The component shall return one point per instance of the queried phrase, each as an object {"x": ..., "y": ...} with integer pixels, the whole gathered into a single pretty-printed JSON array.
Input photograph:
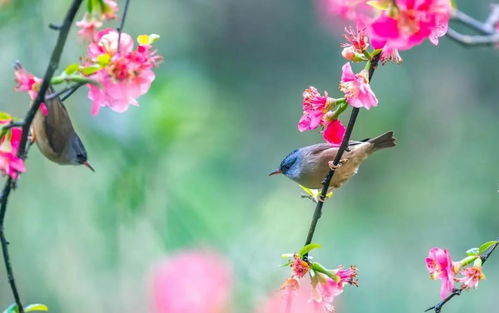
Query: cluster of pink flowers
[
  {"x": 10, "y": 163},
  {"x": 325, "y": 284},
  {"x": 123, "y": 73},
  {"x": 394, "y": 25},
  {"x": 316, "y": 110},
  {"x": 95, "y": 15},
  {"x": 441, "y": 266}
]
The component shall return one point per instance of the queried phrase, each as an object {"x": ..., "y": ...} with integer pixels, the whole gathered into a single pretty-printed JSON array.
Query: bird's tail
[{"x": 383, "y": 141}]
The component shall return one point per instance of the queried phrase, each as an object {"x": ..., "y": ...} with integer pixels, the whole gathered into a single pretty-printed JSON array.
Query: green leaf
[
  {"x": 89, "y": 70},
  {"x": 36, "y": 307},
  {"x": 12, "y": 309},
  {"x": 71, "y": 68},
  {"x": 287, "y": 264},
  {"x": 486, "y": 246},
  {"x": 321, "y": 269},
  {"x": 103, "y": 59},
  {"x": 90, "y": 5},
  {"x": 472, "y": 252},
  {"x": 306, "y": 249},
  {"x": 5, "y": 117}
]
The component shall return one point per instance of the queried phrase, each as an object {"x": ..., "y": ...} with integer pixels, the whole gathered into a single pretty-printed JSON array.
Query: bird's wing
[{"x": 57, "y": 115}]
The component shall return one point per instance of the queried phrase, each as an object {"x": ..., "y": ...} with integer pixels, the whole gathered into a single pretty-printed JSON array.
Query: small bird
[
  {"x": 55, "y": 136},
  {"x": 308, "y": 166}
]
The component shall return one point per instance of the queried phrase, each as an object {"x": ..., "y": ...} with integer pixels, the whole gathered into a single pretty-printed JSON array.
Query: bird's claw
[{"x": 334, "y": 167}]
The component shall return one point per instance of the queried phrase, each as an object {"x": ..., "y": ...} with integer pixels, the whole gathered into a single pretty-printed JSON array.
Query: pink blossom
[
  {"x": 300, "y": 267},
  {"x": 390, "y": 54},
  {"x": 192, "y": 282},
  {"x": 314, "y": 108},
  {"x": 334, "y": 132},
  {"x": 10, "y": 163},
  {"x": 88, "y": 27},
  {"x": 356, "y": 87},
  {"x": 471, "y": 277},
  {"x": 357, "y": 43},
  {"x": 410, "y": 22},
  {"x": 126, "y": 76},
  {"x": 440, "y": 265},
  {"x": 27, "y": 82}
]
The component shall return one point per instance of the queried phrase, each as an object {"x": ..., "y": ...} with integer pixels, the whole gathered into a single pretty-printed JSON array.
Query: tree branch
[
  {"x": 122, "y": 23},
  {"x": 473, "y": 40},
  {"x": 457, "y": 292},
  {"x": 52, "y": 67},
  {"x": 344, "y": 145},
  {"x": 488, "y": 33}
]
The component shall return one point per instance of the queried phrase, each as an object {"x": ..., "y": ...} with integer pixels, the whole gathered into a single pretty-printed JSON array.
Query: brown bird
[
  {"x": 308, "y": 166},
  {"x": 55, "y": 136}
]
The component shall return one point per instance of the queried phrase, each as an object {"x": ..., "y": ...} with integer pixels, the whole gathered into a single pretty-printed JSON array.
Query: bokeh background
[{"x": 188, "y": 168}]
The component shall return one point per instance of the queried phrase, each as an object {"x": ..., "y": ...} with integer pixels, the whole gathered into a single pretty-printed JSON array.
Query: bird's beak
[
  {"x": 275, "y": 172},
  {"x": 87, "y": 164}
]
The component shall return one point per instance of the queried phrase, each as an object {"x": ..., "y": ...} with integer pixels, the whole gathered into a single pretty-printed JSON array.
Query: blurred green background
[{"x": 188, "y": 168}]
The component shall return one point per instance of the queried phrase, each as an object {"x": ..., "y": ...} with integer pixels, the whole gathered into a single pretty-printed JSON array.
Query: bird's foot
[
  {"x": 31, "y": 137},
  {"x": 334, "y": 167}
]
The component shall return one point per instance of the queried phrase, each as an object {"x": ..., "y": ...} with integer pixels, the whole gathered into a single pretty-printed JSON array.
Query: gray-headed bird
[
  {"x": 308, "y": 166},
  {"x": 55, "y": 136}
]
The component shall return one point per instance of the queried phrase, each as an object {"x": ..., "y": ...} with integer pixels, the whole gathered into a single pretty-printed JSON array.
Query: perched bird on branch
[
  {"x": 308, "y": 166},
  {"x": 55, "y": 136}
]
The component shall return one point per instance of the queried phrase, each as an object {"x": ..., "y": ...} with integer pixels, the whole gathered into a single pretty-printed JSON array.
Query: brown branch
[
  {"x": 26, "y": 125},
  {"x": 344, "y": 145},
  {"x": 457, "y": 292}
]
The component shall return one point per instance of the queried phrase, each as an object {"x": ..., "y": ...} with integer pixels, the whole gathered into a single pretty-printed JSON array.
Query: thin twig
[
  {"x": 457, "y": 292},
  {"x": 122, "y": 23},
  {"x": 52, "y": 67},
  {"x": 487, "y": 30},
  {"x": 493, "y": 18},
  {"x": 471, "y": 22},
  {"x": 13, "y": 124},
  {"x": 341, "y": 150},
  {"x": 71, "y": 91},
  {"x": 6, "y": 257},
  {"x": 473, "y": 40}
]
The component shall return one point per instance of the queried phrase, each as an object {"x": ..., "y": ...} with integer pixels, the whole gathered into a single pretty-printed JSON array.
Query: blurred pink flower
[
  {"x": 354, "y": 10},
  {"x": 110, "y": 10},
  {"x": 10, "y": 164},
  {"x": 27, "y": 82},
  {"x": 334, "y": 132},
  {"x": 292, "y": 299},
  {"x": 358, "y": 92},
  {"x": 127, "y": 73},
  {"x": 192, "y": 282},
  {"x": 314, "y": 107},
  {"x": 409, "y": 22},
  {"x": 88, "y": 27},
  {"x": 440, "y": 266},
  {"x": 471, "y": 277}
]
